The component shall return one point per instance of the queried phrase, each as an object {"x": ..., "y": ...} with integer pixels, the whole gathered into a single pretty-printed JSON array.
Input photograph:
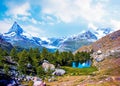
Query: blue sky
[{"x": 58, "y": 18}]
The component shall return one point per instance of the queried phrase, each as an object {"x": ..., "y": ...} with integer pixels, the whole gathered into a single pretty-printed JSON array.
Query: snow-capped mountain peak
[
  {"x": 100, "y": 32},
  {"x": 16, "y": 29},
  {"x": 105, "y": 30},
  {"x": 88, "y": 35}
]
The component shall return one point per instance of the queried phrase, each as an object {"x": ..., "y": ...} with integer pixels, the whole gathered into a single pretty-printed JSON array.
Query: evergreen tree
[
  {"x": 59, "y": 59},
  {"x": 82, "y": 57},
  {"x": 1, "y": 51},
  {"x": 56, "y": 54},
  {"x": 40, "y": 71},
  {"x": 4, "y": 53},
  {"x": 1, "y": 61},
  {"x": 13, "y": 54},
  {"x": 6, "y": 68},
  {"x": 23, "y": 61},
  {"x": 71, "y": 58},
  {"x": 44, "y": 54},
  {"x": 36, "y": 52}
]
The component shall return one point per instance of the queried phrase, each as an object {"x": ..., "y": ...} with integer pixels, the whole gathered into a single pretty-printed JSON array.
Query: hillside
[
  {"x": 5, "y": 45},
  {"x": 109, "y": 42}
]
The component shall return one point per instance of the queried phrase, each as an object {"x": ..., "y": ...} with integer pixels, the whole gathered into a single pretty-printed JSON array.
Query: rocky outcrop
[{"x": 5, "y": 45}]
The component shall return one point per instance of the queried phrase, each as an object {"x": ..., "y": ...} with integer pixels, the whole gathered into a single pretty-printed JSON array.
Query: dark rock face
[
  {"x": 5, "y": 45},
  {"x": 6, "y": 80}
]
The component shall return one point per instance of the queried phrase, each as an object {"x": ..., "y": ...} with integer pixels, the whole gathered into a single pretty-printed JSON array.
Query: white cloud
[
  {"x": 18, "y": 10},
  {"x": 115, "y": 24},
  {"x": 21, "y": 12},
  {"x": 23, "y": 18},
  {"x": 94, "y": 13},
  {"x": 34, "y": 31},
  {"x": 5, "y": 26},
  {"x": 57, "y": 8},
  {"x": 92, "y": 26},
  {"x": 34, "y": 21},
  {"x": 68, "y": 10}
]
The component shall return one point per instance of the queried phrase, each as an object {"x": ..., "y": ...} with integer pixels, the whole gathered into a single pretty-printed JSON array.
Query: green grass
[{"x": 79, "y": 71}]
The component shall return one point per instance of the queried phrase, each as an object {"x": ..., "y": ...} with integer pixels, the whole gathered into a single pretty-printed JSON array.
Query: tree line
[{"x": 29, "y": 61}]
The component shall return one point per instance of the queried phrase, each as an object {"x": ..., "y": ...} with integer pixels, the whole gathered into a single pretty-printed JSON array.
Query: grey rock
[{"x": 59, "y": 72}]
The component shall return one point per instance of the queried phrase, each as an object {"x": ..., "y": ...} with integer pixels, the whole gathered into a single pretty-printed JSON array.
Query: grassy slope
[
  {"x": 72, "y": 77},
  {"x": 79, "y": 71},
  {"x": 108, "y": 75}
]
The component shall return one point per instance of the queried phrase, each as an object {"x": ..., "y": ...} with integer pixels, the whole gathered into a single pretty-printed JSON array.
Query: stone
[
  {"x": 47, "y": 65},
  {"x": 59, "y": 72}
]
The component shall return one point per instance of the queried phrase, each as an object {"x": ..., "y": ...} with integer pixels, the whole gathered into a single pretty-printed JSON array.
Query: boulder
[
  {"x": 6, "y": 80},
  {"x": 59, "y": 72},
  {"x": 38, "y": 82},
  {"x": 99, "y": 59},
  {"x": 99, "y": 52},
  {"x": 47, "y": 65}
]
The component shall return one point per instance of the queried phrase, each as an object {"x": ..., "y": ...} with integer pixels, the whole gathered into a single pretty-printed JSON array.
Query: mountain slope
[
  {"x": 17, "y": 38},
  {"x": 106, "y": 57},
  {"x": 74, "y": 42},
  {"x": 101, "y": 32},
  {"x": 5, "y": 45},
  {"x": 15, "y": 29},
  {"x": 109, "y": 42}
]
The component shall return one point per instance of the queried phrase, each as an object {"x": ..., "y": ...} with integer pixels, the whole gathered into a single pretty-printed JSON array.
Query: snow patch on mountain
[
  {"x": 85, "y": 35},
  {"x": 100, "y": 32},
  {"x": 45, "y": 39},
  {"x": 49, "y": 46},
  {"x": 27, "y": 35},
  {"x": 10, "y": 34}
]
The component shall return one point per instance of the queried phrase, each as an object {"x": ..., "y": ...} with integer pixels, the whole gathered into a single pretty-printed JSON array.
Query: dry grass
[
  {"x": 84, "y": 81},
  {"x": 67, "y": 81}
]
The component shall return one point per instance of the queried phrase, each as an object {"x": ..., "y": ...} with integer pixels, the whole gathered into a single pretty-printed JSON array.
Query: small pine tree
[
  {"x": 4, "y": 53},
  {"x": 6, "y": 68},
  {"x": 44, "y": 54},
  {"x": 23, "y": 60},
  {"x": 1, "y": 61},
  {"x": 13, "y": 54},
  {"x": 40, "y": 71}
]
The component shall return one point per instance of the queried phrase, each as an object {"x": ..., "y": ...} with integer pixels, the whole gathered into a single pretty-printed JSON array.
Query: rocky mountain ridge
[
  {"x": 18, "y": 37},
  {"x": 105, "y": 44}
]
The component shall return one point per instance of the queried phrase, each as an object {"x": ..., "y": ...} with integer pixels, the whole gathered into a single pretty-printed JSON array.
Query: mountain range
[
  {"x": 107, "y": 43},
  {"x": 19, "y": 38}
]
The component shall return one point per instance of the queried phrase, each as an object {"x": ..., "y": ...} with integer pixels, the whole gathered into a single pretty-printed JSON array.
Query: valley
[
  {"x": 59, "y": 42},
  {"x": 23, "y": 55}
]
